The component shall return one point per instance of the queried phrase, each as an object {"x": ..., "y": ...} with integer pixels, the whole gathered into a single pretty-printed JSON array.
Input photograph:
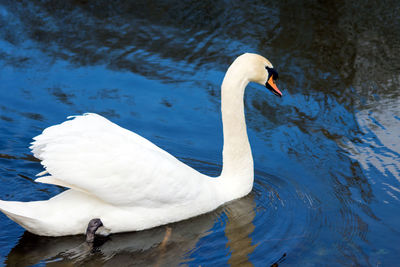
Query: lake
[{"x": 326, "y": 154}]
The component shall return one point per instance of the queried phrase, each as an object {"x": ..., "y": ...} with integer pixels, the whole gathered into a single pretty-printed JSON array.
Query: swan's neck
[{"x": 237, "y": 172}]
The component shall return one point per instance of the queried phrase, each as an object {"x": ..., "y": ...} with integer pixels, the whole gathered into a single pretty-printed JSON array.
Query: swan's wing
[{"x": 91, "y": 154}]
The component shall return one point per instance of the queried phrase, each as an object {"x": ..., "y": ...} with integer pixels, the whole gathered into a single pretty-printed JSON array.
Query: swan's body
[{"x": 130, "y": 183}]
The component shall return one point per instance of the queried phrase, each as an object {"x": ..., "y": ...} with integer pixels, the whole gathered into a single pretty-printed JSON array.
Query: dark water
[{"x": 327, "y": 155}]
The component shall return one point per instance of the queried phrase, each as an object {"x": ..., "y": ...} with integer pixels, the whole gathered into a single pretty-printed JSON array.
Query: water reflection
[
  {"x": 238, "y": 230},
  {"x": 335, "y": 39},
  {"x": 139, "y": 248}
]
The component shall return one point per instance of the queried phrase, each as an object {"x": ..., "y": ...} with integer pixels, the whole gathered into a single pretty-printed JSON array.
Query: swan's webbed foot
[{"x": 92, "y": 227}]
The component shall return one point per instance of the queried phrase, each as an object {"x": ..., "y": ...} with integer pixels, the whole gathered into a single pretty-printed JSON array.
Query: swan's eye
[{"x": 272, "y": 72}]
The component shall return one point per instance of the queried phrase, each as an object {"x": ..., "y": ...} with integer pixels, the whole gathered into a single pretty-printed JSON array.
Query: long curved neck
[{"x": 238, "y": 171}]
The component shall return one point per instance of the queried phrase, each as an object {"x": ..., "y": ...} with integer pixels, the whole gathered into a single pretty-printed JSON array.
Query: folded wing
[{"x": 93, "y": 155}]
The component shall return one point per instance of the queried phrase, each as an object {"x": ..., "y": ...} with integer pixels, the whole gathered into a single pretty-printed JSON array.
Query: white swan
[{"x": 128, "y": 182}]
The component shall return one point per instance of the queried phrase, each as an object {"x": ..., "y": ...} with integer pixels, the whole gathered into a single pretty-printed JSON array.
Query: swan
[{"x": 124, "y": 182}]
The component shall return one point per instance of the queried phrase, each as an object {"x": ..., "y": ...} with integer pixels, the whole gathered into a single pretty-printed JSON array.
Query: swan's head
[{"x": 258, "y": 69}]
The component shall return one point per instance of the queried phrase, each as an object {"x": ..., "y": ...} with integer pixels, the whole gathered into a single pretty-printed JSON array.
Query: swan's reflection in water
[
  {"x": 238, "y": 228},
  {"x": 146, "y": 248}
]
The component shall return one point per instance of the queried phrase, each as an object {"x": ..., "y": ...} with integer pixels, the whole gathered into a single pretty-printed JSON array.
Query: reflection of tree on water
[
  {"x": 138, "y": 35},
  {"x": 145, "y": 248}
]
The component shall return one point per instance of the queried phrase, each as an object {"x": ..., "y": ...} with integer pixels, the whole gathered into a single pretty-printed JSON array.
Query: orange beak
[{"x": 272, "y": 86}]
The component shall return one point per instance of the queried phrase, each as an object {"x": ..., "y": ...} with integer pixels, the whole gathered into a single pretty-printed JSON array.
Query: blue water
[{"x": 327, "y": 154}]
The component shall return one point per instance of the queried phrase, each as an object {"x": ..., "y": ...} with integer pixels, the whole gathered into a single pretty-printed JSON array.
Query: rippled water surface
[{"x": 327, "y": 154}]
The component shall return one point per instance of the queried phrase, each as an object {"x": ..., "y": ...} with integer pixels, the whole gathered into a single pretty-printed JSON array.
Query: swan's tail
[{"x": 21, "y": 213}]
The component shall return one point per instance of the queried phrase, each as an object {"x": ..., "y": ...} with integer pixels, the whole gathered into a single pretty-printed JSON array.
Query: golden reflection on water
[{"x": 238, "y": 229}]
